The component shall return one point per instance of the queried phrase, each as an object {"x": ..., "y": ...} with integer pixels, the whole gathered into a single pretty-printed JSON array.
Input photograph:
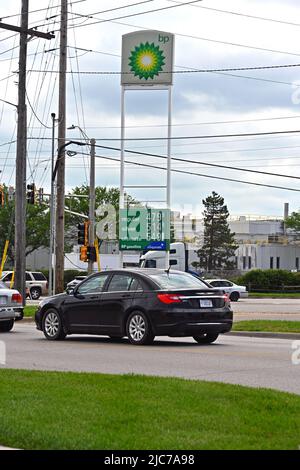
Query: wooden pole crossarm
[{"x": 30, "y": 32}]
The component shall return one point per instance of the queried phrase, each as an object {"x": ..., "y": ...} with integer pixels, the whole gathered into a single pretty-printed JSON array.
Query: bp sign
[
  {"x": 144, "y": 229},
  {"x": 147, "y": 58}
]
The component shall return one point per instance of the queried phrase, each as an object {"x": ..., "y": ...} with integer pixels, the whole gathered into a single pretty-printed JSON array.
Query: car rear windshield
[
  {"x": 39, "y": 277},
  {"x": 178, "y": 281}
]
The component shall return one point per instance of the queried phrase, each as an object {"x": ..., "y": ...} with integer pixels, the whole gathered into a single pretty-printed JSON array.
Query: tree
[
  {"x": 219, "y": 245},
  {"x": 37, "y": 228},
  {"x": 80, "y": 205},
  {"x": 293, "y": 221}
]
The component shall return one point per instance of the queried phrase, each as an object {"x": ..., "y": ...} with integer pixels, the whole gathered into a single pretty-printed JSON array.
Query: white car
[
  {"x": 11, "y": 307},
  {"x": 234, "y": 291}
]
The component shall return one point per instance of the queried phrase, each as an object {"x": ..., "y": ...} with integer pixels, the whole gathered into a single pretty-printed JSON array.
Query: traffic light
[
  {"x": 91, "y": 254},
  {"x": 41, "y": 195},
  {"x": 11, "y": 194},
  {"x": 83, "y": 253},
  {"x": 83, "y": 234},
  {"x": 2, "y": 196},
  {"x": 31, "y": 193}
]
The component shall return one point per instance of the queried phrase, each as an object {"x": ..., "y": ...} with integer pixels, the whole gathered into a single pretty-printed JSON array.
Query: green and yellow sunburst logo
[{"x": 146, "y": 61}]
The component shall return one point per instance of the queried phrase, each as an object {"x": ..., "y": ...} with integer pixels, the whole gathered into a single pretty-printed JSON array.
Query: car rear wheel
[
  {"x": 234, "y": 296},
  {"x": 6, "y": 326},
  {"x": 138, "y": 329},
  {"x": 35, "y": 293},
  {"x": 52, "y": 326},
  {"x": 206, "y": 338}
]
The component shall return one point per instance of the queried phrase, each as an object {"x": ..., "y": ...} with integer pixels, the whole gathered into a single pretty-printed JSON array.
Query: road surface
[{"x": 256, "y": 362}]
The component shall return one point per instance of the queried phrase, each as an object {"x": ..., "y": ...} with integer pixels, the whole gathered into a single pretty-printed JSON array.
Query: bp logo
[{"x": 146, "y": 61}]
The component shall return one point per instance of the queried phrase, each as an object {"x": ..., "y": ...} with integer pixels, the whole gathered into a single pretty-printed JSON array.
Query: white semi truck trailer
[{"x": 181, "y": 258}]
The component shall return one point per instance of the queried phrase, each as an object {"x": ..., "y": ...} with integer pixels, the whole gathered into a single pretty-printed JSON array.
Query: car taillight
[
  {"x": 169, "y": 298},
  {"x": 226, "y": 298},
  {"x": 16, "y": 298}
]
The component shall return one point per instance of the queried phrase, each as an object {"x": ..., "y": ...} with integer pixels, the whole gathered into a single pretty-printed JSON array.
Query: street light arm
[{"x": 59, "y": 155}]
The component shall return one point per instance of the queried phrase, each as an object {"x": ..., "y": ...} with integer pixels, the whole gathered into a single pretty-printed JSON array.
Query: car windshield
[{"x": 177, "y": 281}]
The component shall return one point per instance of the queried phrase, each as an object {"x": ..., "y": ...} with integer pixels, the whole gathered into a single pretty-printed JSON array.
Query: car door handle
[{"x": 126, "y": 296}]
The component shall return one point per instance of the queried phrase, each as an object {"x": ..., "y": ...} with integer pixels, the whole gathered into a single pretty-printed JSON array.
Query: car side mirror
[{"x": 70, "y": 290}]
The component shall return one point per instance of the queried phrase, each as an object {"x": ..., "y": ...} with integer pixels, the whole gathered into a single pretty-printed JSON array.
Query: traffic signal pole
[{"x": 92, "y": 204}]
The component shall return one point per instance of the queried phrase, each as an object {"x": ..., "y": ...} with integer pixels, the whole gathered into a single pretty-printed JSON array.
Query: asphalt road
[
  {"x": 255, "y": 309},
  {"x": 256, "y": 362}
]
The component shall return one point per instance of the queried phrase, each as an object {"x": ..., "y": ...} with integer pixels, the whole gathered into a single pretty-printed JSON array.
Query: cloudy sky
[{"x": 235, "y": 102}]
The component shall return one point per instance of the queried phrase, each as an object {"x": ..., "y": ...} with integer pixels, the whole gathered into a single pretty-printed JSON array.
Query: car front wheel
[
  {"x": 52, "y": 326},
  {"x": 138, "y": 329},
  {"x": 6, "y": 326},
  {"x": 206, "y": 338}
]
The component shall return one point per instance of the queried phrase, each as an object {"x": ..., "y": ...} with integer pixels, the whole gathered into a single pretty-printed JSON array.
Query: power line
[
  {"x": 226, "y": 43},
  {"x": 217, "y": 136},
  {"x": 136, "y": 14},
  {"x": 37, "y": 11},
  {"x": 289, "y": 23},
  {"x": 183, "y": 72},
  {"x": 204, "y": 176},
  {"x": 201, "y": 163}
]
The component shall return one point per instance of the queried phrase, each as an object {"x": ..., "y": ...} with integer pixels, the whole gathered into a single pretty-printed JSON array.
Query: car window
[
  {"x": 28, "y": 277},
  {"x": 120, "y": 282},
  {"x": 178, "y": 281},
  {"x": 215, "y": 283},
  {"x": 8, "y": 277},
  {"x": 136, "y": 285},
  {"x": 150, "y": 263},
  {"x": 94, "y": 284},
  {"x": 39, "y": 277}
]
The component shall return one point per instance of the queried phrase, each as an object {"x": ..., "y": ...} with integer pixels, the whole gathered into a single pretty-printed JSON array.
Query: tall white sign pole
[
  {"x": 169, "y": 164},
  {"x": 122, "y": 165},
  {"x": 147, "y": 64}
]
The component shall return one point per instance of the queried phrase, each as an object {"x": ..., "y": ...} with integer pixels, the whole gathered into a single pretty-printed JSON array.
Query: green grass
[
  {"x": 277, "y": 295},
  {"x": 29, "y": 311},
  {"x": 57, "y": 410},
  {"x": 272, "y": 326}
]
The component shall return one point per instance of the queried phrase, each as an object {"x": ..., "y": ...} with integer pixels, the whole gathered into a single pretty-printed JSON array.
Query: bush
[
  {"x": 269, "y": 279},
  {"x": 70, "y": 274}
]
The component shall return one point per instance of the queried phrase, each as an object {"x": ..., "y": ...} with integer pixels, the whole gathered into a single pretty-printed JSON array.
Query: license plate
[
  {"x": 3, "y": 300},
  {"x": 206, "y": 303}
]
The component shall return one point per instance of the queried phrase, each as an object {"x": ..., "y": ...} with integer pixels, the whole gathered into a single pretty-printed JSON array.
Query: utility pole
[
  {"x": 20, "y": 196},
  {"x": 52, "y": 214},
  {"x": 60, "y": 183},
  {"x": 20, "y": 201},
  {"x": 92, "y": 203}
]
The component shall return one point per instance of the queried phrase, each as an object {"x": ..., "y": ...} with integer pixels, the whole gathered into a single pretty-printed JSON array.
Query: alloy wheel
[
  {"x": 137, "y": 327},
  {"x": 52, "y": 324}
]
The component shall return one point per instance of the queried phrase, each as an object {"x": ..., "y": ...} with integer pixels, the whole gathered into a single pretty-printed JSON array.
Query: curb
[
  {"x": 263, "y": 334},
  {"x": 26, "y": 320},
  {"x": 7, "y": 448}
]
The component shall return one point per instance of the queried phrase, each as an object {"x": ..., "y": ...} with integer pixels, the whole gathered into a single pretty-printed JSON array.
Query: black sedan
[{"x": 139, "y": 304}]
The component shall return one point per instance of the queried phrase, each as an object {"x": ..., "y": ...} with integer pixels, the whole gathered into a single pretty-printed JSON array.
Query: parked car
[
  {"x": 75, "y": 281},
  {"x": 11, "y": 307},
  {"x": 139, "y": 304},
  {"x": 36, "y": 282},
  {"x": 234, "y": 291}
]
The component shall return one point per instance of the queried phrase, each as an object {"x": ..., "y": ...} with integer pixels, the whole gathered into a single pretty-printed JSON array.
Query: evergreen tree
[{"x": 219, "y": 245}]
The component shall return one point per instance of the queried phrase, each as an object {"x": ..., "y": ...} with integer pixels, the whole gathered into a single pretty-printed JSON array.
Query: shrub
[{"x": 269, "y": 279}]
